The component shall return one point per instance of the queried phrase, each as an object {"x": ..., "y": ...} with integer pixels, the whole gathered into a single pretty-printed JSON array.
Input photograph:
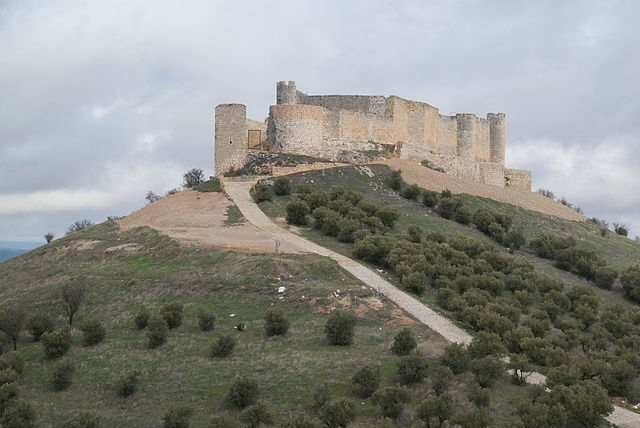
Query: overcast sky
[{"x": 101, "y": 101}]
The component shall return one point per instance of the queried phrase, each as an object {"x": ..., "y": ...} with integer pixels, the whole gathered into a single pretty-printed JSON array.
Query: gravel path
[{"x": 238, "y": 191}]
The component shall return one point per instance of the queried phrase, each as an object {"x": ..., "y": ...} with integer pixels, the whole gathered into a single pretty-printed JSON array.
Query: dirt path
[
  {"x": 197, "y": 218},
  {"x": 414, "y": 173},
  {"x": 238, "y": 191}
]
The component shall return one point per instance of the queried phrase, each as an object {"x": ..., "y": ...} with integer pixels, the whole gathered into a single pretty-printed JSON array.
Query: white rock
[
  {"x": 281, "y": 290},
  {"x": 232, "y": 315}
]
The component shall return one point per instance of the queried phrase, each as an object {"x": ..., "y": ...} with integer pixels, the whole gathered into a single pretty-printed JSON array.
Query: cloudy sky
[{"x": 101, "y": 101}]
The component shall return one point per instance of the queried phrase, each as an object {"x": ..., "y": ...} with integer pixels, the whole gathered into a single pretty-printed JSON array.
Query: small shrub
[
  {"x": 304, "y": 189},
  {"x": 223, "y": 346},
  {"x": 366, "y": 381},
  {"x": 463, "y": 215},
  {"x": 82, "y": 420},
  {"x": 479, "y": 396},
  {"x": 404, "y": 342},
  {"x": 514, "y": 239},
  {"x": 388, "y": 216},
  {"x": 411, "y": 192},
  {"x": 339, "y": 328},
  {"x": 244, "y": 392},
  {"x": 93, "y": 332},
  {"x": 391, "y": 400},
  {"x": 127, "y": 383},
  {"x": 415, "y": 234},
  {"x": 256, "y": 415},
  {"x": 8, "y": 393},
  {"x": 56, "y": 343},
  {"x": 322, "y": 394},
  {"x": 172, "y": 314},
  {"x": 282, "y": 186},
  {"x": 142, "y": 319},
  {"x": 395, "y": 180},
  {"x": 18, "y": 414},
  {"x": 177, "y": 417},
  {"x": 206, "y": 320},
  {"x": 300, "y": 421},
  {"x": 605, "y": 277},
  {"x": 621, "y": 229},
  {"x": 456, "y": 358},
  {"x": 275, "y": 323},
  {"x": 12, "y": 360},
  {"x": 261, "y": 193},
  {"x": 440, "y": 377},
  {"x": 317, "y": 199},
  {"x": 447, "y": 207},
  {"x": 297, "y": 213},
  {"x": 429, "y": 198},
  {"x": 223, "y": 420},
  {"x": 412, "y": 368},
  {"x": 630, "y": 280},
  {"x": 40, "y": 324},
  {"x": 7, "y": 376},
  {"x": 61, "y": 375},
  {"x": 440, "y": 408},
  {"x": 157, "y": 332},
  {"x": 337, "y": 413},
  {"x": 415, "y": 282}
]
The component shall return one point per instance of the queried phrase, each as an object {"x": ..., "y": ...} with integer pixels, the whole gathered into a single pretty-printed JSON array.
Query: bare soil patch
[{"x": 197, "y": 218}]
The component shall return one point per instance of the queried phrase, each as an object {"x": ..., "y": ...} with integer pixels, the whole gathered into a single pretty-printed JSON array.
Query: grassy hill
[{"x": 120, "y": 283}]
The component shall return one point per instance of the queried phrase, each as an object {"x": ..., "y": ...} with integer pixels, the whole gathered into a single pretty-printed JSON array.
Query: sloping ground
[
  {"x": 197, "y": 218},
  {"x": 414, "y": 173}
]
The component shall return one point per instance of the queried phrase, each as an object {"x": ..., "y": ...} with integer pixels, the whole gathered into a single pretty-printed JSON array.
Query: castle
[{"x": 334, "y": 126}]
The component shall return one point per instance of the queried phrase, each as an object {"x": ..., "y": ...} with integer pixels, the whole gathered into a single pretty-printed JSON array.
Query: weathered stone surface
[{"x": 343, "y": 127}]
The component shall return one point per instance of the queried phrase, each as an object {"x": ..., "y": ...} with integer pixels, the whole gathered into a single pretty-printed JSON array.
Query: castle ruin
[{"x": 333, "y": 126}]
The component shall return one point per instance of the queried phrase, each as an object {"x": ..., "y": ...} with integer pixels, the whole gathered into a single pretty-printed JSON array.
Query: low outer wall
[{"x": 518, "y": 178}]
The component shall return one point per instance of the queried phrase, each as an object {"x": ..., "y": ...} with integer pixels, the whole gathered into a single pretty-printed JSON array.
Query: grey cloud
[{"x": 84, "y": 85}]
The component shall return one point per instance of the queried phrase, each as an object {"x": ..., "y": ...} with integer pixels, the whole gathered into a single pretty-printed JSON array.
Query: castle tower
[
  {"x": 497, "y": 125},
  {"x": 466, "y": 137},
  {"x": 286, "y": 93},
  {"x": 230, "y": 149}
]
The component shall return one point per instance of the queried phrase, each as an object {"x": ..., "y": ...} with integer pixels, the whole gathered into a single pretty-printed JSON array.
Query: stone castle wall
[{"x": 327, "y": 126}]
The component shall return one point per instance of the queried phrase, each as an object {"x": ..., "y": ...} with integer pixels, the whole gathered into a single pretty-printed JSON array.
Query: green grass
[
  {"x": 233, "y": 216},
  {"x": 212, "y": 185},
  {"x": 118, "y": 285}
]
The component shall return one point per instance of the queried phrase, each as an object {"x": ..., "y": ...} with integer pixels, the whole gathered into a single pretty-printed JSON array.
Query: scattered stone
[
  {"x": 281, "y": 290},
  {"x": 232, "y": 315},
  {"x": 123, "y": 247}
]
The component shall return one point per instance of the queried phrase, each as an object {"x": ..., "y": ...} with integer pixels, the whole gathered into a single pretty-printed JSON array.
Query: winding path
[{"x": 238, "y": 191}]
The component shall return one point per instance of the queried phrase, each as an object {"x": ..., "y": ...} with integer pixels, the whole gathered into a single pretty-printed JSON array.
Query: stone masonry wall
[
  {"x": 230, "y": 137},
  {"x": 517, "y": 178}
]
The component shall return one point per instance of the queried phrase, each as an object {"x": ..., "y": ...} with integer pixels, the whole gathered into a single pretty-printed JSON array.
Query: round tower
[
  {"x": 466, "y": 135},
  {"x": 497, "y": 125}
]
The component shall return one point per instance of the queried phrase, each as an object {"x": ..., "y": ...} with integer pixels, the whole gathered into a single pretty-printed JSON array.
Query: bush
[
  {"x": 297, "y": 213},
  {"x": 261, "y": 193},
  {"x": 82, "y": 420},
  {"x": 605, "y": 277},
  {"x": 56, "y": 343},
  {"x": 404, "y": 342},
  {"x": 630, "y": 280},
  {"x": 206, "y": 320},
  {"x": 415, "y": 282},
  {"x": 440, "y": 408},
  {"x": 12, "y": 322},
  {"x": 12, "y": 360},
  {"x": 456, "y": 358},
  {"x": 282, "y": 186},
  {"x": 93, "y": 332},
  {"x": 192, "y": 178},
  {"x": 395, "y": 180},
  {"x": 223, "y": 346},
  {"x": 8, "y": 376},
  {"x": 348, "y": 228},
  {"x": 8, "y": 393},
  {"x": 412, "y": 368},
  {"x": 304, "y": 189},
  {"x": 172, "y": 314},
  {"x": 127, "y": 383},
  {"x": 337, "y": 413},
  {"x": 157, "y": 332},
  {"x": 142, "y": 319},
  {"x": 463, "y": 215},
  {"x": 223, "y": 420},
  {"x": 515, "y": 239},
  {"x": 621, "y": 229},
  {"x": 366, "y": 381},
  {"x": 275, "y": 323},
  {"x": 479, "y": 396},
  {"x": 61, "y": 375},
  {"x": 40, "y": 324},
  {"x": 487, "y": 370},
  {"x": 388, "y": 216},
  {"x": 177, "y": 417},
  {"x": 322, "y": 394},
  {"x": 429, "y": 198},
  {"x": 317, "y": 199},
  {"x": 19, "y": 414},
  {"x": 447, "y": 207},
  {"x": 244, "y": 392},
  {"x": 339, "y": 328},
  {"x": 390, "y": 400},
  {"x": 411, "y": 192},
  {"x": 300, "y": 421},
  {"x": 440, "y": 377},
  {"x": 256, "y": 415}
]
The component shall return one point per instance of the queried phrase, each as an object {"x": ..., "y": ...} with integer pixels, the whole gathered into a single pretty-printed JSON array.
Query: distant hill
[
  {"x": 9, "y": 249},
  {"x": 7, "y": 253}
]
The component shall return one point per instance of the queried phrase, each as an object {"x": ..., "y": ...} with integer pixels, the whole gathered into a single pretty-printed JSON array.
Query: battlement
[{"x": 327, "y": 126}]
